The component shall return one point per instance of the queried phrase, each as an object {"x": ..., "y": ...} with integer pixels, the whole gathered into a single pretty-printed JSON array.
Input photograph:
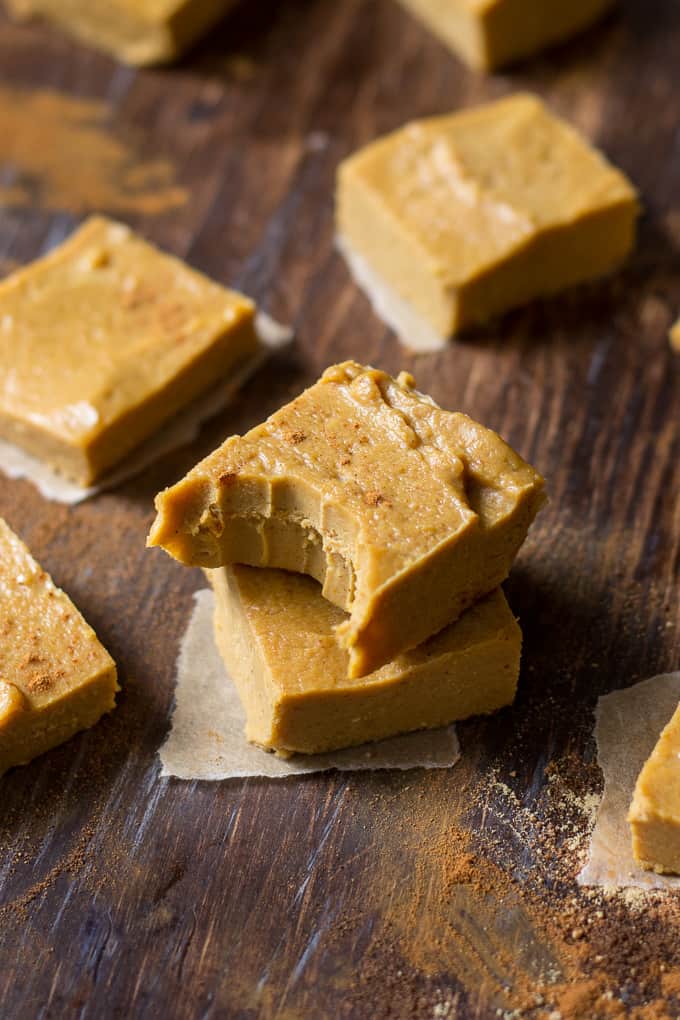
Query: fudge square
[
  {"x": 275, "y": 632},
  {"x": 134, "y": 31},
  {"x": 492, "y": 33},
  {"x": 452, "y": 220},
  {"x": 675, "y": 336},
  {"x": 406, "y": 513},
  {"x": 654, "y": 814},
  {"x": 105, "y": 339},
  {"x": 55, "y": 676}
]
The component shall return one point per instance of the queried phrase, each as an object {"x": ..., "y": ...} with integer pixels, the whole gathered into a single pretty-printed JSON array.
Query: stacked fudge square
[{"x": 356, "y": 541}]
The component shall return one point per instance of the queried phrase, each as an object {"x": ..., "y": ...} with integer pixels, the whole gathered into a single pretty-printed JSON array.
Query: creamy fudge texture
[
  {"x": 654, "y": 814},
  {"x": 275, "y": 632},
  {"x": 103, "y": 340},
  {"x": 491, "y": 33},
  {"x": 134, "y": 31},
  {"x": 55, "y": 676},
  {"x": 467, "y": 215},
  {"x": 406, "y": 513}
]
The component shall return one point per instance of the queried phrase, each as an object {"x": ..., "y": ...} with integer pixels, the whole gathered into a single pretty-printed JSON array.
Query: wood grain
[{"x": 126, "y": 896}]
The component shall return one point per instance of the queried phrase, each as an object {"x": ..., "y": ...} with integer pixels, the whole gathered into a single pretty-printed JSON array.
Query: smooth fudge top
[
  {"x": 473, "y": 187},
  {"x": 395, "y": 475},
  {"x": 92, "y": 329}
]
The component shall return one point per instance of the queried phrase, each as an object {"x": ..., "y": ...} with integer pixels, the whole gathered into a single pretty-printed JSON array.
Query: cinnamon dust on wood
[{"x": 471, "y": 932}]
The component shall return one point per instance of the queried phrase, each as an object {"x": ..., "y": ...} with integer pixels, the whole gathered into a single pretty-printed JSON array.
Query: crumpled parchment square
[
  {"x": 206, "y": 740},
  {"x": 628, "y": 724}
]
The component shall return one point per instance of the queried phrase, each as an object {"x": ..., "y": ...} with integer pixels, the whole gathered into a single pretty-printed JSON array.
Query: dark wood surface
[{"x": 123, "y": 895}]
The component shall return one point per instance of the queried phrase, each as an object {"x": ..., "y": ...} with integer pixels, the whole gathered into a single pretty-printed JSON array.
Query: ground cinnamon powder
[
  {"x": 453, "y": 942},
  {"x": 111, "y": 174}
]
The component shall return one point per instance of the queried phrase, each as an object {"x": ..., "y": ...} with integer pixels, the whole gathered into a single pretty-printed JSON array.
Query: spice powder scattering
[
  {"x": 469, "y": 928},
  {"x": 92, "y": 848},
  {"x": 42, "y": 129},
  {"x": 464, "y": 926}
]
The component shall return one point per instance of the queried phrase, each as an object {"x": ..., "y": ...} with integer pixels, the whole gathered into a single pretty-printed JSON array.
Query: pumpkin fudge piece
[
  {"x": 134, "y": 31},
  {"x": 55, "y": 677},
  {"x": 675, "y": 336},
  {"x": 105, "y": 339},
  {"x": 492, "y": 33},
  {"x": 452, "y": 220},
  {"x": 275, "y": 632},
  {"x": 407, "y": 514},
  {"x": 654, "y": 814}
]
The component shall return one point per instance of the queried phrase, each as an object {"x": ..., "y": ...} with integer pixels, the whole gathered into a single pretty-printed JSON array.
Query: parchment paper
[
  {"x": 627, "y": 726},
  {"x": 182, "y": 429},
  {"x": 207, "y": 742}
]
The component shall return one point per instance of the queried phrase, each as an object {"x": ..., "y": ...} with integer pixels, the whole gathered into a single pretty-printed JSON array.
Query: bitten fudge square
[
  {"x": 105, "y": 339},
  {"x": 275, "y": 632},
  {"x": 55, "y": 676},
  {"x": 407, "y": 514},
  {"x": 450, "y": 221}
]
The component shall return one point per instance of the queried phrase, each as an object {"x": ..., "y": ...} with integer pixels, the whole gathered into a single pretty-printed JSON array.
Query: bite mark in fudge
[{"x": 404, "y": 512}]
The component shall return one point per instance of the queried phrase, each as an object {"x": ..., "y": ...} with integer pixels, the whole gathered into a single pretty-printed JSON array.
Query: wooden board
[{"x": 441, "y": 894}]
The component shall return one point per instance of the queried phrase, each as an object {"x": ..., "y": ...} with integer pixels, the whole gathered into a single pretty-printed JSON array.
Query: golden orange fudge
[
  {"x": 654, "y": 814},
  {"x": 675, "y": 336},
  {"x": 407, "y": 514},
  {"x": 105, "y": 339},
  {"x": 275, "y": 632},
  {"x": 492, "y": 33},
  {"x": 134, "y": 31},
  {"x": 452, "y": 220},
  {"x": 55, "y": 676}
]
